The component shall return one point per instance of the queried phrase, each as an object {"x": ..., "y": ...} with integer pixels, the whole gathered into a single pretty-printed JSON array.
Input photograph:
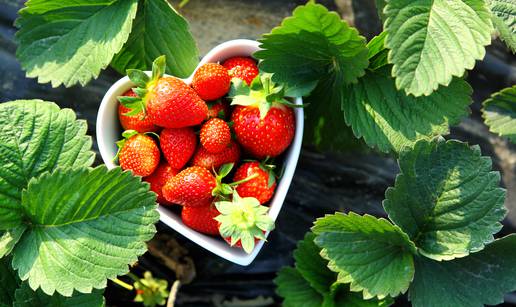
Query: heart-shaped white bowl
[{"x": 109, "y": 131}]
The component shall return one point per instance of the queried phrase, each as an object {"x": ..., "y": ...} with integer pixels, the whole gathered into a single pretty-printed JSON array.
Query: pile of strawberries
[{"x": 188, "y": 140}]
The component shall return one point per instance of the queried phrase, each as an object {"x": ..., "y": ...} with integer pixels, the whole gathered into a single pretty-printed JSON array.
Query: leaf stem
[
  {"x": 183, "y": 3},
  {"x": 122, "y": 284},
  {"x": 173, "y": 293}
]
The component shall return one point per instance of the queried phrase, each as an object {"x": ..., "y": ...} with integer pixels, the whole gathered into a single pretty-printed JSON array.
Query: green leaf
[
  {"x": 431, "y": 41},
  {"x": 324, "y": 122},
  {"x": 312, "y": 283},
  {"x": 295, "y": 290},
  {"x": 315, "y": 51},
  {"x": 371, "y": 254},
  {"x": 85, "y": 226},
  {"x": 390, "y": 120},
  {"x": 159, "y": 30},
  {"x": 70, "y": 42},
  {"x": 26, "y": 297},
  {"x": 312, "y": 266},
  {"x": 311, "y": 43},
  {"x": 35, "y": 137},
  {"x": 343, "y": 297},
  {"x": 8, "y": 281},
  {"x": 377, "y": 54},
  {"x": 474, "y": 281},
  {"x": 504, "y": 20},
  {"x": 9, "y": 238},
  {"x": 446, "y": 198},
  {"x": 300, "y": 90},
  {"x": 13, "y": 293},
  {"x": 499, "y": 113}
]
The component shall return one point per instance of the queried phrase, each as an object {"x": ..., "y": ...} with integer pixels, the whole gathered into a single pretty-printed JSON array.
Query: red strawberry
[
  {"x": 157, "y": 180},
  {"x": 261, "y": 187},
  {"x": 215, "y": 135},
  {"x": 218, "y": 109},
  {"x": 211, "y": 81},
  {"x": 191, "y": 187},
  {"x": 168, "y": 101},
  {"x": 242, "y": 68},
  {"x": 264, "y": 137},
  {"x": 178, "y": 145},
  {"x": 202, "y": 218},
  {"x": 230, "y": 154},
  {"x": 173, "y": 104},
  {"x": 138, "y": 122},
  {"x": 243, "y": 220},
  {"x": 138, "y": 153}
]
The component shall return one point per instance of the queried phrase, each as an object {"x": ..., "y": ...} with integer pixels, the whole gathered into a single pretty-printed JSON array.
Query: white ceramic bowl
[{"x": 109, "y": 131}]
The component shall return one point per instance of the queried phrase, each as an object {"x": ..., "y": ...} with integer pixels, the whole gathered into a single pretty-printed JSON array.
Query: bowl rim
[{"x": 107, "y": 120}]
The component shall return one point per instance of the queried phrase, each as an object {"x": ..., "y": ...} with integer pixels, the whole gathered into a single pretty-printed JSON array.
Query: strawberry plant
[
  {"x": 65, "y": 227},
  {"x": 399, "y": 92},
  {"x": 403, "y": 85},
  {"x": 437, "y": 244}
]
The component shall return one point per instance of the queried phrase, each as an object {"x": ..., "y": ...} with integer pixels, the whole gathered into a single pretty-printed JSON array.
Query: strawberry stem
[
  {"x": 244, "y": 180},
  {"x": 222, "y": 189},
  {"x": 122, "y": 284},
  {"x": 152, "y": 133}
]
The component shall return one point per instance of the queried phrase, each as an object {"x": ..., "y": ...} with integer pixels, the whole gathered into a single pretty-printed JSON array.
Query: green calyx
[
  {"x": 144, "y": 85},
  {"x": 127, "y": 134},
  {"x": 222, "y": 191},
  {"x": 263, "y": 93},
  {"x": 243, "y": 219}
]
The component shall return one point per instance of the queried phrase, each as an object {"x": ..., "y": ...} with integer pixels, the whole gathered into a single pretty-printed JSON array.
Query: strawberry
[
  {"x": 263, "y": 184},
  {"x": 191, "y": 187},
  {"x": 168, "y": 101},
  {"x": 263, "y": 122},
  {"x": 264, "y": 137},
  {"x": 138, "y": 153},
  {"x": 138, "y": 122},
  {"x": 157, "y": 180},
  {"x": 242, "y": 68},
  {"x": 211, "y": 81},
  {"x": 218, "y": 109},
  {"x": 243, "y": 221},
  {"x": 173, "y": 104},
  {"x": 215, "y": 135},
  {"x": 178, "y": 145},
  {"x": 202, "y": 218},
  {"x": 231, "y": 154}
]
